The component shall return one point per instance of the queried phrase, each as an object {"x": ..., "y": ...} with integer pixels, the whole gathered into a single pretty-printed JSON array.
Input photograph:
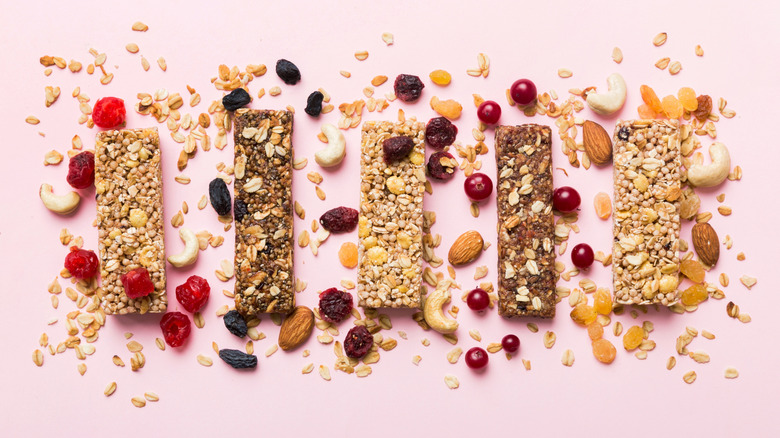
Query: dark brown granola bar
[
  {"x": 526, "y": 246},
  {"x": 263, "y": 211}
]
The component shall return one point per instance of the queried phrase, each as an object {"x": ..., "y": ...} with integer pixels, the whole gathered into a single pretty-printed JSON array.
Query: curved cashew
[
  {"x": 189, "y": 255},
  {"x": 710, "y": 175},
  {"x": 60, "y": 204},
  {"x": 611, "y": 101},
  {"x": 434, "y": 314},
  {"x": 335, "y": 150}
]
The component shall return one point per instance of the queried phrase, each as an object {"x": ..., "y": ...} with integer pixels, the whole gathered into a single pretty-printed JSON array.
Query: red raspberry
[
  {"x": 109, "y": 112},
  {"x": 193, "y": 294},
  {"x": 81, "y": 170},
  {"x": 175, "y": 327},
  {"x": 81, "y": 263},
  {"x": 137, "y": 283}
]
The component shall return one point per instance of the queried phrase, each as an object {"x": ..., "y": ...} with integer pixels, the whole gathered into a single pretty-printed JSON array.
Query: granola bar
[
  {"x": 128, "y": 184},
  {"x": 391, "y": 218},
  {"x": 526, "y": 233},
  {"x": 263, "y": 212},
  {"x": 645, "y": 255}
]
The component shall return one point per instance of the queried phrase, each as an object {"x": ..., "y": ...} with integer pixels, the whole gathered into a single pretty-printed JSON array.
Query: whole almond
[
  {"x": 597, "y": 143},
  {"x": 706, "y": 243},
  {"x": 466, "y": 248},
  {"x": 296, "y": 328}
]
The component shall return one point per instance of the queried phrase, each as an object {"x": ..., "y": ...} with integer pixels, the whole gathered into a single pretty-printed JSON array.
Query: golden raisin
[
  {"x": 672, "y": 107},
  {"x": 602, "y": 302},
  {"x": 603, "y": 205},
  {"x": 583, "y": 314},
  {"x": 693, "y": 270},
  {"x": 688, "y": 98},
  {"x": 595, "y": 331},
  {"x": 694, "y": 295},
  {"x": 645, "y": 112},
  {"x": 440, "y": 77},
  {"x": 348, "y": 255},
  {"x": 633, "y": 337},
  {"x": 604, "y": 351},
  {"x": 650, "y": 98}
]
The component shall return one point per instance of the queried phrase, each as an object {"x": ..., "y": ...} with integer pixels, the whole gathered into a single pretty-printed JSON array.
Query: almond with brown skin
[
  {"x": 597, "y": 143},
  {"x": 466, "y": 248},
  {"x": 706, "y": 243},
  {"x": 296, "y": 328}
]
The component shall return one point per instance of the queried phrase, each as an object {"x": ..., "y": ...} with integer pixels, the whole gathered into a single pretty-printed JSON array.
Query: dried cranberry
[
  {"x": 137, "y": 283},
  {"x": 335, "y": 305},
  {"x": 236, "y": 99},
  {"x": 339, "y": 219},
  {"x": 440, "y": 132},
  {"x": 81, "y": 170},
  {"x": 314, "y": 104},
  {"x": 439, "y": 171},
  {"x": 408, "y": 87},
  {"x": 397, "y": 148},
  {"x": 240, "y": 209},
  {"x": 219, "y": 196},
  {"x": 109, "y": 112},
  {"x": 288, "y": 72},
  {"x": 193, "y": 294},
  {"x": 175, "y": 327},
  {"x": 81, "y": 263},
  {"x": 358, "y": 342}
]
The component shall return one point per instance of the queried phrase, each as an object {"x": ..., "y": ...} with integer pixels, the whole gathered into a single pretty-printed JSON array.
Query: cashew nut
[
  {"x": 191, "y": 247},
  {"x": 60, "y": 204},
  {"x": 710, "y": 175},
  {"x": 611, "y": 101},
  {"x": 335, "y": 150},
  {"x": 433, "y": 312}
]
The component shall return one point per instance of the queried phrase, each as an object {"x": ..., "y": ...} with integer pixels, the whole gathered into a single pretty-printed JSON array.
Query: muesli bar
[
  {"x": 391, "y": 218},
  {"x": 128, "y": 183},
  {"x": 263, "y": 211},
  {"x": 526, "y": 233},
  {"x": 645, "y": 255}
]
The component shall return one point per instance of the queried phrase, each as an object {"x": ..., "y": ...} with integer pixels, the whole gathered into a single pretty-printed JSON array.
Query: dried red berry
[
  {"x": 439, "y": 171},
  {"x": 408, "y": 87},
  {"x": 81, "y": 263},
  {"x": 137, "y": 283},
  {"x": 358, "y": 342},
  {"x": 193, "y": 294},
  {"x": 339, "y": 219},
  {"x": 81, "y": 170},
  {"x": 440, "y": 132},
  {"x": 109, "y": 112},
  {"x": 175, "y": 327},
  {"x": 335, "y": 305},
  {"x": 397, "y": 148}
]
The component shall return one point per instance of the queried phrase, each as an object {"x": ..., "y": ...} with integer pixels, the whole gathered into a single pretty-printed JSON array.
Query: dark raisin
[
  {"x": 220, "y": 196},
  {"x": 335, "y": 305},
  {"x": 238, "y": 359},
  {"x": 439, "y": 171},
  {"x": 623, "y": 133},
  {"x": 440, "y": 132},
  {"x": 358, "y": 342},
  {"x": 288, "y": 72},
  {"x": 408, "y": 87},
  {"x": 397, "y": 148},
  {"x": 236, "y": 99},
  {"x": 339, "y": 219},
  {"x": 235, "y": 323},
  {"x": 81, "y": 170},
  {"x": 314, "y": 104},
  {"x": 240, "y": 209}
]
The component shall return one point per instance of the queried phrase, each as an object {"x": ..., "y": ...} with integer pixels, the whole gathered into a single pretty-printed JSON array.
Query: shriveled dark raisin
[
  {"x": 335, "y": 305},
  {"x": 358, "y": 342},
  {"x": 397, "y": 148},
  {"x": 314, "y": 104},
  {"x": 220, "y": 196},
  {"x": 408, "y": 88},
  {"x": 623, "y": 133},
  {"x": 238, "y": 359},
  {"x": 240, "y": 209},
  {"x": 339, "y": 219},
  {"x": 440, "y": 132},
  {"x": 235, "y": 323},
  {"x": 236, "y": 99},
  {"x": 439, "y": 171},
  {"x": 288, "y": 72}
]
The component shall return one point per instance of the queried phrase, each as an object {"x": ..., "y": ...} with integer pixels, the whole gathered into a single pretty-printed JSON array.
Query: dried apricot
[
  {"x": 603, "y": 205},
  {"x": 583, "y": 314},
  {"x": 633, "y": 337},
  {"x": 595, "y": 331},
  {"x": 440, "y": 77},
  {"x": 348, "y": 255},
  {"x": 672, "y": 107},
  {"x": 447, "y": 108},
  {"x": 602, "y": 302},
  {"x": 645, "y": 112},
  {"x": 692, "y": 269},
  {"x": 604, "y": 351},
  {"x": 694, "y": 295},
  {"x": 650, "y": 98},
  {"x": 688, "y": 98}
]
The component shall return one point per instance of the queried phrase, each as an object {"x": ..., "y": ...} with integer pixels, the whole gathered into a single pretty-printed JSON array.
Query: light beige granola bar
[
  {"x": 128, "y": 183},
  {"x": 645, "y": 254},
  {"x": 391, "y": 218}
]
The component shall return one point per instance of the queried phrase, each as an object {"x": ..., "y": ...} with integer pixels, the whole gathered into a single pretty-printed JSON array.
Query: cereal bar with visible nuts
[
  {"x": 645, "y": 257},
  {"x": 128, "y": 184},
  {"x": 263, "y": 211},
  {"x": 526, "y": 227},
  {"x": 391, "y": 215}
]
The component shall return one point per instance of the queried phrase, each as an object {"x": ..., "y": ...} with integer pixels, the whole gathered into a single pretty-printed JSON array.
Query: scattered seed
[
  {"x": 748, "y": 281},
  {"x": 675, "y": 67},
  {"x": 138, "y": 402},
  {"x": 689, "y": 377},
  {"x": 568, "y": 358},
  {"x": 110, "y": 389},
  {"x": 662, "y": 63},
  {"x": 549, "y": 339},
  {"x": 161, "y": 62},
  {"x": 659, "y": 39},
  {"x": 671, "y": 362},
  {"x": 699, "y": 51},
  {"x": 37, "y": 357},
  {"x": 140, "y": 27},
  {"x": 617, "y": 55},
  {"x": 451, "y": 381},
  {"x": 205, "y": 360},
  {"x": 731, "y": 373},
  {"x": 325, "y": 373},
  {"x": 454, "y": 355},
  {"x": 361, "y": 56},
  {"x": 564, "y": 73}
]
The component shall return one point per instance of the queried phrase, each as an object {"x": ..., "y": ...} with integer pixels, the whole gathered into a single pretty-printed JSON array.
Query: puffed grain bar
[
  {"x": 391, "y": 218},
  {"x": 128, "y": 184},
  {"x": 645, "y": 254},
  {"x": 526, "y": 227},
  {"x": 263, "y": 211}
]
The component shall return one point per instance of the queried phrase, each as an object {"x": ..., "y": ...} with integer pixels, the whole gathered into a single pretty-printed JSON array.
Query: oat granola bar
[
  {"x": 391, "y": 218},
  {"x": 526, "y": 230},
  {"x": 128, "y": 183},
  {"x": 645, "y": 255},
  {"x": 263, "y": 212}
]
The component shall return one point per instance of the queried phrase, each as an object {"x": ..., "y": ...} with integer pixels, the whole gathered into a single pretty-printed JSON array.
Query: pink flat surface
[{"x": 637, "y": 397}]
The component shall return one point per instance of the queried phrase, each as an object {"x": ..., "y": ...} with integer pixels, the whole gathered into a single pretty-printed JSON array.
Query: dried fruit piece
[
  {"x": 109, "y": 112},
  {"x": 348, "y": 255},
  {"x": 408, "y": 88},
  {"x": 175, "y": 327},
  {"x": 237, "y": 358},
  {"x": 449, "y": 108},
  {"x": 672, "y": 107},
  {"x": 693, "y": 270},
  {"x": 220, "y": 196},
  {"x": 595, "y": 331},
  {"x": 81, "y": 170},
  {"x": 703, "y": 108},
  {"x": 335, "y": 305},
  {"x": 137, "y": 283},
  {"x": 602, "y": 302},
  {"x": 604, "y": 351},
  {"x": 82, "y": 263},
  {"x": 288, "y": 72},
  {"x": 583, "y": 314},
  {"x": 314, "y": 104},
  {"x": 440, "y": 77},
  {"x": 688, "y": 98},
  {"x": 603, "y": 205},
  {"x": 694, "y": 295},
  {"x": 236, "y": 99},
  {"x": 397, "y": 148},
  {"x": 441, "y": 166},
  {"x": 240, "y": 209},
  {"x": 358, "y": 342},
  {"x": 193, "y": 294},
  {"x": 339, "y": 219},
  {"x": 440, "y": 132},
  {"x": 633, "y": 337},
  {"x": 650, "y": 98},
  {"x": 235, "y": 323},
  {"x": 645, "y": 112}
]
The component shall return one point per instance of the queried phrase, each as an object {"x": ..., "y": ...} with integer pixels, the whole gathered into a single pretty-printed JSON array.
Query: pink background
[{"x": 530, "y": 40}]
